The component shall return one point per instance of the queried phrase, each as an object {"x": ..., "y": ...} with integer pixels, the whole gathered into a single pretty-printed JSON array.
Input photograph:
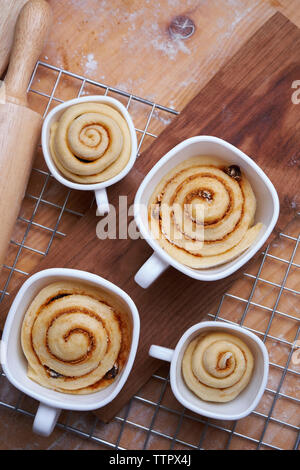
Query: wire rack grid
[{"x": 153, "y": 418}]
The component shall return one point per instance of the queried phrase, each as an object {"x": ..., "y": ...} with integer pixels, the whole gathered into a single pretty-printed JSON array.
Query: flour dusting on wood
[{"x": 90, "y": 64}]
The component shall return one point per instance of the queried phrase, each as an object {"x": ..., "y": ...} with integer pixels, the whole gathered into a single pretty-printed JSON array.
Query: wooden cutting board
[
  {"x": 247, "y": 103},
  {"x": 9, "y": 11}
]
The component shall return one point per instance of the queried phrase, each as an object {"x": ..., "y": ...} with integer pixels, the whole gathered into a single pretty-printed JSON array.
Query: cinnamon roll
[
  {"x": 202, "y": 212},
  {"x": 76, "y": 338},
  {"x": 217, "y": 366},
  {"x": 90, "y": 143}
]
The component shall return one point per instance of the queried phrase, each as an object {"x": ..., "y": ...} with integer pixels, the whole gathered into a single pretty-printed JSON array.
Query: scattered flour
[
  {"x": 102, "y": 35},
  {"x": 170, "y": 47},
  {"x": 157, "y": 115},
  {"x": 130, "y": 84},
  {"x": 90, "y": 64}
]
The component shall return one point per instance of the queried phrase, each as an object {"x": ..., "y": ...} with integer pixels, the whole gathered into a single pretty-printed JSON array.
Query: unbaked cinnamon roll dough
[
  {"x": 90, "y": 143},
  {"x": 76, "y": 338},
  {"x": 202, "y": 212},
  {"x": 217, "y": 366}
]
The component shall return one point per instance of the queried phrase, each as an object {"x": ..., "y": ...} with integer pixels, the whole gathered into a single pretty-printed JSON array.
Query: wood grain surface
[
  {"x": 222, "y": 26},
  {"x": 130, "y": 44},
  {"x": 247, "y": 103}
]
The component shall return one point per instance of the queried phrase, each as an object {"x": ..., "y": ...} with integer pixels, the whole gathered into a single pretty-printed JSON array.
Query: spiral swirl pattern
[
  {"x": 75, "y": 338},
  {"x": 202, "y": 216},
  {"x": 217, "y": 367},
  {"x": 90, "y": 143}
]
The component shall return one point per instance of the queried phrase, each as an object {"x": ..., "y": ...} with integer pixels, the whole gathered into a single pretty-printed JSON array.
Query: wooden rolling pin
[
  {"x": 10, "y": 10},
  {"x": 19, "y": 126}
]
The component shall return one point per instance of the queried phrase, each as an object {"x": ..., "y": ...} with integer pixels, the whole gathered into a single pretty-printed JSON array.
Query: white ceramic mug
[
  {"x": 267, "y": 210},
  {"x": 15, "y": 365},
  {"x": 99, "y": 188},
  {"x": 240, "y": 406}
]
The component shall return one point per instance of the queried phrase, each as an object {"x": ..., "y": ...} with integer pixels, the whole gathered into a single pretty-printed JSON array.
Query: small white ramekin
[
  {"x": 240, "y": 406},
  {"x": 99, "y": 188},
  {"x": 15, "y": 365},
  {"x": 267, "y": 210}
]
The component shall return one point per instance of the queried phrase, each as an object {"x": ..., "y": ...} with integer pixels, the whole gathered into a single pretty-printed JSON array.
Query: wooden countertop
[
  {"x": 140, "y": 46},
  {"x": 164, "y": 51}
]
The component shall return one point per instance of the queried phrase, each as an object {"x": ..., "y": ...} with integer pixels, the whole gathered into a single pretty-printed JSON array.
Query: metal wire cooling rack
[{"x": 266, "y": 302}]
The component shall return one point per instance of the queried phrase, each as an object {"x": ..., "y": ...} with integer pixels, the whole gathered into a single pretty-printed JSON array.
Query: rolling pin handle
[{"x": 30, "y": 33}]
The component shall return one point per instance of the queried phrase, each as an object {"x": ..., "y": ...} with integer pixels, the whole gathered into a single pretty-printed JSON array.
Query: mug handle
[
  {"x": 150, "y": 271},
  {"x": 102, "y": 201},
  {"x": 160, "y": 352},
  {"x": 45, "y": 419}
]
